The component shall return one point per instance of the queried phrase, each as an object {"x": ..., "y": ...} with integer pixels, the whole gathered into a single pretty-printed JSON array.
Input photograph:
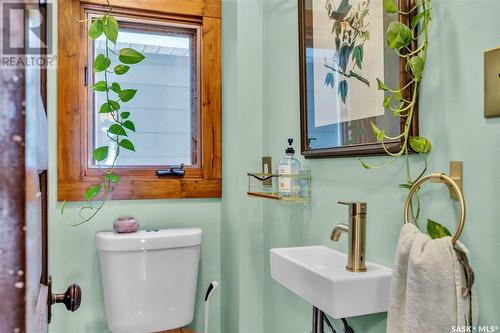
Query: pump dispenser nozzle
[{"x": 290, "y": 149}]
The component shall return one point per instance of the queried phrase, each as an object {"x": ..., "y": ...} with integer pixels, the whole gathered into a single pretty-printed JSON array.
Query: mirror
[{"x": 343, "y": 51}]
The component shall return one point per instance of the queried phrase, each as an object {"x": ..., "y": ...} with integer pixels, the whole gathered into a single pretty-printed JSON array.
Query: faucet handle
[{"x": 355, "y": 207}]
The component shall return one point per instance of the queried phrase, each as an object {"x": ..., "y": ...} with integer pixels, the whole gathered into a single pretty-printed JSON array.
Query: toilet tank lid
[{"x": 151, "y": 239}]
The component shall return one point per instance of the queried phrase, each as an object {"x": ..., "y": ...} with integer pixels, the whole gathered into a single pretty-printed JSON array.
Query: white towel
[{"x": 426, "y": 288}]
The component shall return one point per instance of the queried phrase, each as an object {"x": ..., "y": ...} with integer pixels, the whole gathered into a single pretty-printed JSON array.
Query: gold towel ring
[{"x": 439, "y": 178}]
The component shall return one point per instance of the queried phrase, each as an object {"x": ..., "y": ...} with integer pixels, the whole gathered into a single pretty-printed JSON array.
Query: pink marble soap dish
[{"x": 126, "y": 224}]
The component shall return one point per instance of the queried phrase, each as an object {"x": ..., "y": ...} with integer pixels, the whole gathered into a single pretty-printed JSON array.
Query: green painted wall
[
  {"x": 73, "y": 256},
  {"x": 451, "y": 115},
  {"x": 241, "y": 223},
  {"x": 260, "y": 111}
]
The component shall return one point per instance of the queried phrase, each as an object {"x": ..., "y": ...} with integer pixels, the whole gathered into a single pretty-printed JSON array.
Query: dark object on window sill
[{"x": 174, "y": 171}]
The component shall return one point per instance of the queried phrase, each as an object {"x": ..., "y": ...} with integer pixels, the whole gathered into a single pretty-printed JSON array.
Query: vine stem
[
  {"x": 410, "y": 108},
  {"x": 415, "y": 214},
  {"x": 107, "y": 183}
]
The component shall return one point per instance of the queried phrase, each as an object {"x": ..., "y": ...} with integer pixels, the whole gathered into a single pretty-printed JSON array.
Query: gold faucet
[{"x": 356, "y": 231}]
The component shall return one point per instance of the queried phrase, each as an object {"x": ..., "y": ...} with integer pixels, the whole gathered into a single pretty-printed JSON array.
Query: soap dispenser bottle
[{"x": 289, "y": 170}]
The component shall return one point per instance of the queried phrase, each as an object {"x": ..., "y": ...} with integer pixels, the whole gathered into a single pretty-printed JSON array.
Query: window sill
[{"x": 138, "y": 188}]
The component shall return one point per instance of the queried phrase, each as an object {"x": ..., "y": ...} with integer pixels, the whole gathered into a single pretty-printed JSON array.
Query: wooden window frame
[{"x": 74, "y": 174}]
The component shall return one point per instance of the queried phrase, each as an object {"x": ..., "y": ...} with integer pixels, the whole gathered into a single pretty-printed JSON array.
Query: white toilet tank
[{"x": 149, "y": 278}]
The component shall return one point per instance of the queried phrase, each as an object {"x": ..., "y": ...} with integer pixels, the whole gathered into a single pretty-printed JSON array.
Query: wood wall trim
[
  {"x": 211, "y": 97},
  {"x": 206, "y": 8},
  {"x": 140, "y": 183},
  {"x": 147, "y": 189},
  {"x": 68, "y": 99}
]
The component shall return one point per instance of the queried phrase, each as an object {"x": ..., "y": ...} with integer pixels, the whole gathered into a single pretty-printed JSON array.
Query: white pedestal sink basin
[{"x": 318, "y": 275}]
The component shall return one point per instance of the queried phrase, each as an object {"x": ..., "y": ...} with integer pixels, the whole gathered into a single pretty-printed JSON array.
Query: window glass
[{"x": 164, "y": 108}]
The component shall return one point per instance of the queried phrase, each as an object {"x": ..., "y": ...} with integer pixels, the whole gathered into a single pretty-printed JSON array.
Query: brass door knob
[{"x": 71, "y": 298}]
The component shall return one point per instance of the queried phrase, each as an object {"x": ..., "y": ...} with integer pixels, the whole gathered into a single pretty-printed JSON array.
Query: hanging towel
[{"x": 430, "y": 290}]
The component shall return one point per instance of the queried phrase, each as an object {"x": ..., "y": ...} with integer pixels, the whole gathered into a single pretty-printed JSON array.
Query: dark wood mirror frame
[{"x": 363, "y": 149}]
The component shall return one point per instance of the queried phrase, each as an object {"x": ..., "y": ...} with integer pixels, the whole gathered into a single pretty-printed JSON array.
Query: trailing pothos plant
[
  {"x": 115, "y": 96},
  {"x": 400, "y": 38}
]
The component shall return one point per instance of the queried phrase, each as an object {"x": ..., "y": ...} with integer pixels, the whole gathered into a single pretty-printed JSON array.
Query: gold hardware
[
  {"x": 439, "y": 178},
  {"x": 456, "y": 173},
  {"x": 356, "y": 231},
  {"x": 267, "y": 169},
  {"x": 492, "y": 83},
  {"x": 338, "y": 230},
  {"x": 300, "y": 194}
]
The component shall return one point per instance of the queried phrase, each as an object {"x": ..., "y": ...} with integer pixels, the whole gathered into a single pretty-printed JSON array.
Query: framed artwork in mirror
[{"x": 343, "y": 53}]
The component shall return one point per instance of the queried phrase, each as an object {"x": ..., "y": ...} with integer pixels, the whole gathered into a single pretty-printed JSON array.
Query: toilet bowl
[{"x": 149, "y": 278}]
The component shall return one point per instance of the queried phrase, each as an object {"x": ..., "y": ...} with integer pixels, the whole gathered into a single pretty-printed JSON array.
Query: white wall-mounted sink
[{"x": 318, "y": 275}]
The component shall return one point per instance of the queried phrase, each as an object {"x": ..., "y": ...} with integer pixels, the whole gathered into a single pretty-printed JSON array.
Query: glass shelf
[{"x": 266, "y": 185}]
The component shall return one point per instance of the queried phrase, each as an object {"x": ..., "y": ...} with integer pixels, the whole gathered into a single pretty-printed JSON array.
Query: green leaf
[
  {"x": 365, "y": 165},
  {"x": 116, "y": 87},
  {"x": 130, "y": 125},
  {"x": 329, "y": 80},
  {"x": 381, "y": 85},
  {"x": 343, "y": 90},
  {"x": 100, "y": 153},
  {"x": 109, "y": 107},
  {"x": 366, "y": 35},
  {"x": 127, "y": 144},
  {"x": 387, "y": 101},
  {"x": 105, "y": 108},
  {"x": 416, "y": 64},
  {"x": 436, "y": 230},
  {"x": 110, "y": 28},
  {"x": 380, "y": 135},
  {"x": 357, "y": 55},
  {"x": 114, "y": 105},
  {"x": 95, "y": 29},
  {"x": 112, "y": 177},
  {"x": 407, "y": 186},
  {"x": 117, "y": 129},
  {"x": 417, "y": 18},
  {"x": 390, "y": 6},
  {"x": 398, "y": 35},
  {"x": 125, "y": 115},
  {"x": 121, "y": 69},
  {"x": 92, "y": 191},
  {"x": 420, "y": 144},
  {"x": 101, "y": 63},
  {"x": 397, "y": 96},
  {"x": 63, "y": 204},
  {"x": 100, "y": 86},
  {"x": 130, "y": 56},
  {"x": 127, "y": 94}
]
